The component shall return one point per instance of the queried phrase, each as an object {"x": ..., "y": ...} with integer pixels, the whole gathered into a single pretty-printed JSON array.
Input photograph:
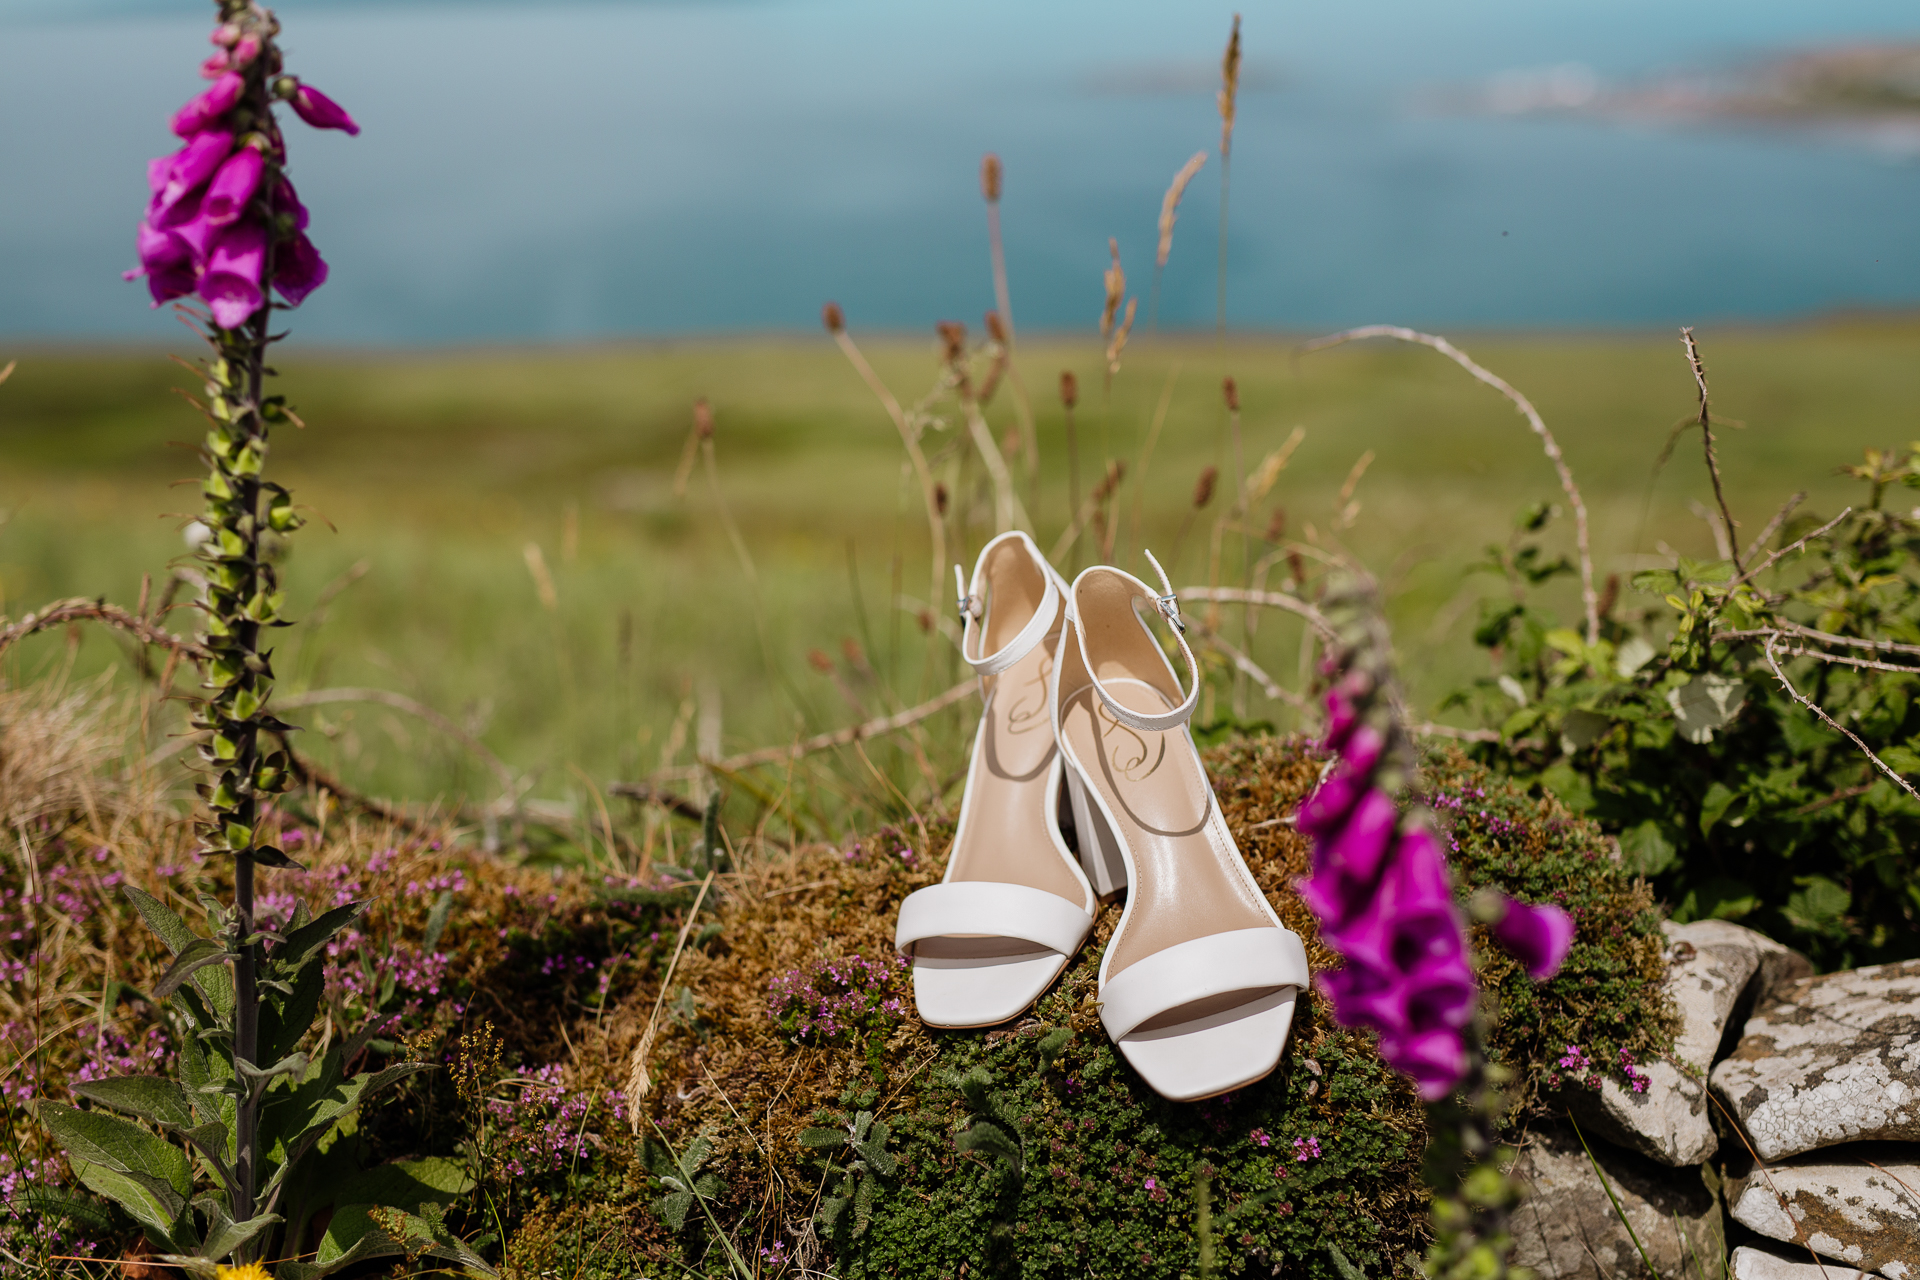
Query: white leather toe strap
[
  {"x": 1241, "y": 960},
  {"x": 994, "y": 909}
]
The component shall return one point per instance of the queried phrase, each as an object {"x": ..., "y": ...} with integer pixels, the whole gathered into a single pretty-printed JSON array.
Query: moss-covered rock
[{"x": 1032, "y": 1149}]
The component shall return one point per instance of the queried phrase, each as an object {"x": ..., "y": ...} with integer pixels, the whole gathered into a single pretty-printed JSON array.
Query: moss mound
[{"x": 844, "y": 1130}]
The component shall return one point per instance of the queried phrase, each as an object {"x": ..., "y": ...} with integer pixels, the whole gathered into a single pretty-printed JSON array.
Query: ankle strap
[
  {"x": 973, "y": 611},
  {"x": 1168, "y": 607}
]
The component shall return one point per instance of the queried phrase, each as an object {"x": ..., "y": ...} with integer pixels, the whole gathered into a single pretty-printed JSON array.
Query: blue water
[{"x": 558, "y": 171}]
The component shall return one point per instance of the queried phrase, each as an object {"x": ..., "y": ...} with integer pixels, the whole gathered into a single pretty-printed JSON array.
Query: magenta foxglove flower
[
  {"x": 186, "y": 170},
  {"x": 1538, "y": 937},
  {"x": 233, "y": 186},
  {"x": 231, "y": 283},
  {"x": 202, "y": 111},
  {"x": 1385, "y": 904},
  {"x": 322, "y": 112},
  {"x": 298, "y": 269}
]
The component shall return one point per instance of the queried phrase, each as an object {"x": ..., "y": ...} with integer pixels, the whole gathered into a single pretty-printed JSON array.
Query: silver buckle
[
  {"x": 968, "y": 607},
  {"x": 1170, "y": 607}
]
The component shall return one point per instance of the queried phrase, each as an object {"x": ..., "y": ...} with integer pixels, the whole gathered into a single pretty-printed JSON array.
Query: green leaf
[
  {"x": 1721, "y": 898},
  {"x": 1820, "y": 906},
  {"x": 674, "y": 1207},
  {"x": 1714, "y": 805},
  {"x": 1706, "y": 703},
  {"x": 118, "y": 1145},
  {"x": 148, "y": 1200},
  {"x": 1343, "y": 1264},
  {"x": 197, "y": 955},
  {"x": 88, "y": 1214},
  {"x": 160, "y": 918},
  {"x": 284, "y": 1022},
  {"x": 1646, "y": 849},
  {"x": 225, "y": 1235},
  {"x": 152, "y": 1098},
  {"x": 814, "y": 1137},
  {"x": 303, "y": 942},
  {"x": 408, "y": 1184}
]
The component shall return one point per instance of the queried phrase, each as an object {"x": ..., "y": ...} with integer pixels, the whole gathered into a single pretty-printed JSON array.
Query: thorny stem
[
  {"x": 1589, "y": 597},
  {"x": 1831, "y": 723},
  {"x": 1706, "y": 435}
]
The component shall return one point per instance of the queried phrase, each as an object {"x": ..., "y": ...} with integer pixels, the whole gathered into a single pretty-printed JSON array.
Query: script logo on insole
[
  {"x": 1127, "y": 751},
  {"x": 1029, "y": 709}
]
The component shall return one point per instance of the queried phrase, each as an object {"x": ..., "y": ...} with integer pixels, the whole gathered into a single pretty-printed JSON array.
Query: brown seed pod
[
  {"x": 990, "y": 177},
  {"x": 954, "y": 335},
  {"x": 995, "y": 329},
  {"x": 940, "y": 498},
  {"x": 703, "y": 419},
  {"x": 834, "y": 318},
  {"x": 1231, "y": 390},
  {"x": 1277, "y": 525},
  {"x": 819, "y": 661},
  {"x": 1069, "y": 388},
  {"x": 1203, "y": 488}
]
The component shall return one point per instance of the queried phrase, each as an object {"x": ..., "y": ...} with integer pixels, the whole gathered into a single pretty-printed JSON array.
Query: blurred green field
[{"x": 440, "y": 472}]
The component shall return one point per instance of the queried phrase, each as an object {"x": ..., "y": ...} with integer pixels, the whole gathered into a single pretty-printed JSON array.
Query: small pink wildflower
[{"x": 1305, "y": 1149}]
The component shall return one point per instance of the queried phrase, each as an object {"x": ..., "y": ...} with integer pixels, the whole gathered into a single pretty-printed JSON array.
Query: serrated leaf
[
  {"x": 197, "y": 955},
  {"x": 166, "y": 925},
  {"x": 152, "y": 1098},
  {"x": 673, "y": 1209},
  {"x": 225, "y": 1235},
  {"x": 813, "y": 1137},
  {"x": 148, "y": 1201},
  {"x": 117, "y": 1144}
]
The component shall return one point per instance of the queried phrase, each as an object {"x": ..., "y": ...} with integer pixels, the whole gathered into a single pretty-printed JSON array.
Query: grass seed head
[
  {"x": 990, "y": 177},
  {"x": 1116, "y": 281},
  {"x": 1170, "y": 204},
  {"x": 1277, "y": 525},
  {"x": 1229, "y": 87},
  {"x": 1231, "y": 390},
  {"x": 1203, "y": 488},
  {"x": 995, "y": 329},
  {"x": 833, "y": 317},
  {"x": 703, "y": 419},
  {"x": 940, "y": 498},
  {"x": 1069, "y": 388}
]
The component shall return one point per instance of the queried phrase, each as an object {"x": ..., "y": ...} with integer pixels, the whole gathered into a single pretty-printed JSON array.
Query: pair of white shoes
[{"x": 1198, "y": 984}]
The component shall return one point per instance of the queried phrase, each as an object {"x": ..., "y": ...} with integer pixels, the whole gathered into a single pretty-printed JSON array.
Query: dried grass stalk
[{"x": 1170, "y": 204}]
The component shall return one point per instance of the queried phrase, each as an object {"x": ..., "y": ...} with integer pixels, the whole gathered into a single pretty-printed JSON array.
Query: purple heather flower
[
  {"x": 233, "y": 186},
  {"x": 322, "y": 112},
  {"x": 231, "y": 283},
  {"x": 208, "y": 107},
  {"x": 1539, "y": 937}
]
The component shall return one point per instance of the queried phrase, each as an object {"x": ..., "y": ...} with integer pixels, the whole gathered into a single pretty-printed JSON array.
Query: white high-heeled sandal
[
  {"x": 1198, "y": 984},
  {"x": 1013, "y": 907}
]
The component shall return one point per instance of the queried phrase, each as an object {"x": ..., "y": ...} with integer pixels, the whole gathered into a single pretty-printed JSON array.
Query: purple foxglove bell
[
  {"x": 1433, "y": 1060},
  {"x": 204, "y": 110},
  {"x": 1538, "y": 937},
  {"x": 322, "y": 112},
  {"x": 188, "y": 169},
  {"x": 231, "y": 283},
  {"x": 233, "y": 186},
  {"x": 286, "y": 200},
  {"x": 298, "y": 269}
]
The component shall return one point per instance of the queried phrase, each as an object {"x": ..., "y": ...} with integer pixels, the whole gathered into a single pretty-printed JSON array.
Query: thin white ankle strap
[
  {"x": 1169, "y": 608},
  {"x": 972, "y": 607}
]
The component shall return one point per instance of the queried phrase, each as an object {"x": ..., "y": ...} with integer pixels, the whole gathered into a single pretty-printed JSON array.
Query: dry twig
[
  {"x": 1831, "y": 723},
  {"x": 1589, "y": 597}
]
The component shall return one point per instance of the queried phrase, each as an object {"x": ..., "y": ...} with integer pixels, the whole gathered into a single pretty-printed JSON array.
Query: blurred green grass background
[{"x": 438, "y": 472}]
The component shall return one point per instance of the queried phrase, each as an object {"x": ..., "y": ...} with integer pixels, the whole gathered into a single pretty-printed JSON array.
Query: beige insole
[
  {"x": 1005, "y": 835},
  {"x": 1188, "y": 880}
]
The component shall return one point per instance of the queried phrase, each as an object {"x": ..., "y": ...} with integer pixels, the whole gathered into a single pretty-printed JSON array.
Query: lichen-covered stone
[
  {"x": 1717, "y": 967},
  {"x": 1567, "y": 1227},
  {"x": 1863, "y": 1209},
  {"x": 1828, "y": 1060},
  {"x": 1749, "y": 1263}
]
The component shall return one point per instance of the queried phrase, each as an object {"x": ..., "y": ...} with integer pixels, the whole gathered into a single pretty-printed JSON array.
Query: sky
[{"x": 555, "y": 172}]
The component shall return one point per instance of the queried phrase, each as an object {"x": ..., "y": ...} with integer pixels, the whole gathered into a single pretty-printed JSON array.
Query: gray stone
[
  {"x": 1567, "y": 1229},
  {"x": 1862, "y": 1208},
  {"x": 1718, "y": 968},
  {"x": 1829, "y": 1060},
  {"x": 1749, "y": 1263}
]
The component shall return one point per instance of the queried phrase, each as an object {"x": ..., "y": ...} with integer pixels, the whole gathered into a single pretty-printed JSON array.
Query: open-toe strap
[
  {"x": 1215, "y": 965},
  {"x": 991, "y": 908},
  {"x": 1169, "y": 608}
]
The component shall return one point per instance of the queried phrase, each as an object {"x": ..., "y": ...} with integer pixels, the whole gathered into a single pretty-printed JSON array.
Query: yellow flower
[{"x": 252, "y": 1271}]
